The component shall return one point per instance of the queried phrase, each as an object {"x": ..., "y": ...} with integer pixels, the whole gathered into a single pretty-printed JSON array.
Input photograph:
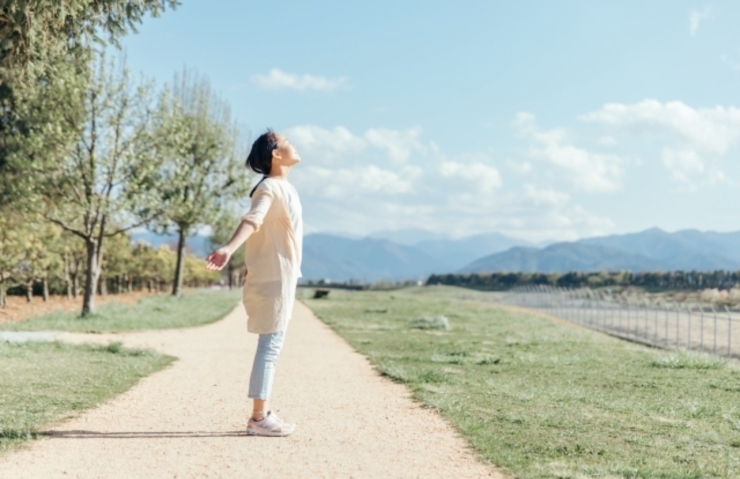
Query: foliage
[
  {"x": 651, "y": 280},
  {"x": 200, "y": 170}
]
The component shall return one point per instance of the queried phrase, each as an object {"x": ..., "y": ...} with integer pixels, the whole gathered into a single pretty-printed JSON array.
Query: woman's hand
[{"x": 218, "y": 259}]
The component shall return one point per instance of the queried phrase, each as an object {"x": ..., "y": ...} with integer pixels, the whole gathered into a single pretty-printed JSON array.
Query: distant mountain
[
  {"x": 197, "y": 244},
  {"x": 341, "y": 259},
  {"x": 652, "y": 249},
  {"x": 682, "y": 250},
  {"x": 408, "y": 236},
  {"x": 562, "y": 257},
  {"x": 460, "y": 252}
]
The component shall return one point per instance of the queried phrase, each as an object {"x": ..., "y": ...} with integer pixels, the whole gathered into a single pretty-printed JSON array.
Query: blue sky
[{"x": 541, "y": 120}]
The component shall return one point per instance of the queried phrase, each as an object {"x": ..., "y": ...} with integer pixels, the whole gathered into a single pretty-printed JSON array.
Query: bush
[{"x": 437, "y": 322}]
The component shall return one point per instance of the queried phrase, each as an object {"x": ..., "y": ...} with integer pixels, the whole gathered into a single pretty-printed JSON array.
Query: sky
[{"x": 539, "y": 120}]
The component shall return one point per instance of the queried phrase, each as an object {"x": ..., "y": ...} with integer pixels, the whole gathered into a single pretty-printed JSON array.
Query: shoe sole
[{"x": 265, "y": 434}]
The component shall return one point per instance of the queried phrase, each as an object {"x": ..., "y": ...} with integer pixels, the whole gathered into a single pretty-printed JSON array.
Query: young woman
[{"x": 273, "y": 231}]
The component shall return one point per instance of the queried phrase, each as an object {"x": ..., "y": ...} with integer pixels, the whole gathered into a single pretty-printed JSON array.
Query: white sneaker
[{"x": 270, "y": 425}]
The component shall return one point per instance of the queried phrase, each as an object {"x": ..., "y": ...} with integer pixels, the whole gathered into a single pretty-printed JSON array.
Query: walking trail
[{"x": 188, "y": 421}]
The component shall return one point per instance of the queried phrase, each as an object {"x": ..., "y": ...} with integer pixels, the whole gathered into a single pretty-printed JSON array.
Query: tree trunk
[
  {"x": 29, "y": 291},
  {"x": 3, "y": 301},
  {"x": 67, "y": 280},
  {"x": 91, "y": 278},
  {"x": 75, "y": 285},
  {"x": 149, "y": 285},
  {"x": 230, "y": 269},
  {"x": 103, "y": 286},
  {"x": 177, "y": 283},
  {"x": 46, "y": 288}
]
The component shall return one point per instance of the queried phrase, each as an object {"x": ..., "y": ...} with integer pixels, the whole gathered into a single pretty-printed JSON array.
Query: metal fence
[{"x": 669, "y": 325}]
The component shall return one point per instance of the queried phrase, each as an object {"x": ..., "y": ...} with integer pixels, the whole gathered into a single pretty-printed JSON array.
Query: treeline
[
  {"x": 53, "y": 262},
  {"x": 652, "y": 281},
  {"x": 88, "y": 152}
]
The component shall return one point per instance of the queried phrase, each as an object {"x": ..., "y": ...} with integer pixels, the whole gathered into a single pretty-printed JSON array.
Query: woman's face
[{"x": 285, "y": 154}]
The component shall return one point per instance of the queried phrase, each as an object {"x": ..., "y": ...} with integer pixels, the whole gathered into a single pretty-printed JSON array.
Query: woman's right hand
[{"x": 218, "y": 259}]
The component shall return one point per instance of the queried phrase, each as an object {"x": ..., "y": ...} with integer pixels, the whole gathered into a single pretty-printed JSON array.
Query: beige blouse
[{"x": 273, "y": 252}]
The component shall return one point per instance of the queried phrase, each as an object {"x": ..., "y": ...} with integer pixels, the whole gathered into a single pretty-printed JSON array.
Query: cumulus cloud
[
  {"x": 398, "y": 144},
  {"x": 695, "y": 18},
  {"x": 590, "y": 171},
  {"x": 380, "y": 178},
  {"x": 325, "y": 145},
  {"x": 277, "y": 79},
  {"x": 691, "y": 138},
  {"x": 353, "y": 182},
  {"x": 486, "y": 178},
  {"x": 715, "y": 129},
  {"x": 519, "y": 167},
  {"x": 338, "y": 143},
  {"x": 683, "y": 164}
]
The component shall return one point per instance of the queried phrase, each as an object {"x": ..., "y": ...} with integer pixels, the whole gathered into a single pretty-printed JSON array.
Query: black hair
[{"x": 260, "y": 157}]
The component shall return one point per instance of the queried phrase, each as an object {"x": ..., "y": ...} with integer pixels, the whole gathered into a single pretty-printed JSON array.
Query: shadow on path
[{"x": 75, "y": 434}]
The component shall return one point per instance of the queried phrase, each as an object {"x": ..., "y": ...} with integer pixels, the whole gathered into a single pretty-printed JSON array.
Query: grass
[
  {"x": 194, "y": 308},
  {"x": 542, "y": 399},
  {"x": 45, "y": 383}
]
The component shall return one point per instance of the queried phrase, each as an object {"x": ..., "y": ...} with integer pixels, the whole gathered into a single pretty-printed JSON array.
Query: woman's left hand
[{"x": 218, "y": 259}]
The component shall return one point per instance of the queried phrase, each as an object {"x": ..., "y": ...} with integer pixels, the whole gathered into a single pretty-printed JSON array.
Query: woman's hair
[{"x": 260, "y": 157}]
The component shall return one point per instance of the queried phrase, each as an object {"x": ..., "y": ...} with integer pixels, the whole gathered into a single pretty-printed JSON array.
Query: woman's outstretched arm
[{"x": 218, "y": 259}]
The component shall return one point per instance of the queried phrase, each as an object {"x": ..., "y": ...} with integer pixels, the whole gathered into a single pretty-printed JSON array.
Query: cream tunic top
[{"x": 273, "y": 255}]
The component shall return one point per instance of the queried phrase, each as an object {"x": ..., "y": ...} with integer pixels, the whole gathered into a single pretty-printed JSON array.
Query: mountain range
[
  {"x": 652, "y": 249},
  {"x": 414, "y": 254}
]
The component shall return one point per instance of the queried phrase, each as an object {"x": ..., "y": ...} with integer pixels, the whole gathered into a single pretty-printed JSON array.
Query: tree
[
  {"x": 46, "y": 45},
  {"x": 107, "y": 177},
  {"x": 200, "y": 171},
  {"x": 12, "y": 226}
]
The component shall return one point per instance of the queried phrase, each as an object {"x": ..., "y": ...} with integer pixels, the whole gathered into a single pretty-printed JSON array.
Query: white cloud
[
  {"x": 327, "y": 146},
  {"x": 696, "y": 16},
  {"x": 586, "y": 170},
  {"x": 399, "y": 144},
  {"x": 683, "y": 165},
  {"x": 390, "y": 179},
  {"x": 545, "y": 196},
  {"x": 693, "y": 141},
  {"x": 519, "y": 167},
  {"x": 486, "y": 178},
  {"x": 348, "y": 183},
  {"x": 279, "y": 80},
  {"x": 715, "y": 129}
]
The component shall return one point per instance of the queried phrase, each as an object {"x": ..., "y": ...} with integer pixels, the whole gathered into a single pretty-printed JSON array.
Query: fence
[{"x": 668, "y": 325}]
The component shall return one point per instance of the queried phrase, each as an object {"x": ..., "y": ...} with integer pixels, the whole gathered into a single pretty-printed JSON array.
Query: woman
[{"x": 273, "y": 231}]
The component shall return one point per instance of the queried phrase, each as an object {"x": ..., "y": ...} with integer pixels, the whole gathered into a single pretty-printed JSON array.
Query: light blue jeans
[{"x": 263, "y": 368}]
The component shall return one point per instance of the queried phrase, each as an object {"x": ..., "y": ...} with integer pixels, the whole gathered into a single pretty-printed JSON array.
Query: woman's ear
[{"x": 276, "y": 154}]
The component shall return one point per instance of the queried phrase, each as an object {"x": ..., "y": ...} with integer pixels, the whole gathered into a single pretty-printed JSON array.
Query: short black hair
[{"x": 260, "y": 157}]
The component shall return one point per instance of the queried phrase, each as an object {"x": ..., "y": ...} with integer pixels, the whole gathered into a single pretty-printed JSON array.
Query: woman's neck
[{"x": 279, "y": 171}]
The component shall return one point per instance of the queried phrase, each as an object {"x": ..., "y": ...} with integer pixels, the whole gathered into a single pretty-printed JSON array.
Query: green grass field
[
  {"x": 194, "y": 308},
  {"x": 542, "y": 399},
  {"x": 45, "y": 383}
]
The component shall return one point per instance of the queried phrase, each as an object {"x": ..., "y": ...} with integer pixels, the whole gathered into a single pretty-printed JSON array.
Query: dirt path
[{"x": 188, "y": 421}]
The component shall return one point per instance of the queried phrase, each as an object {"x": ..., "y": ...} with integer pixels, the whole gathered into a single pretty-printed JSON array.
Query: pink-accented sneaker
[{"x": 270, "y": 425}]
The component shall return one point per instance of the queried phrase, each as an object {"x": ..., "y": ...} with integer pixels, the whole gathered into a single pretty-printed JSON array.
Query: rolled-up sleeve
[{"x": 261, "y": 202}]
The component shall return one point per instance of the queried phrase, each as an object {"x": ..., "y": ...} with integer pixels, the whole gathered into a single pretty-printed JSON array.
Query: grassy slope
[
  {"x": 546, "y": 400},
  {"x": 44, "y": 383},
  {"x": 194, "y": 308}
]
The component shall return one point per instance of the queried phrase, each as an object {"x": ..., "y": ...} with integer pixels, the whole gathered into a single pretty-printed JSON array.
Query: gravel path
[{"x": 189, "y": 420}]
